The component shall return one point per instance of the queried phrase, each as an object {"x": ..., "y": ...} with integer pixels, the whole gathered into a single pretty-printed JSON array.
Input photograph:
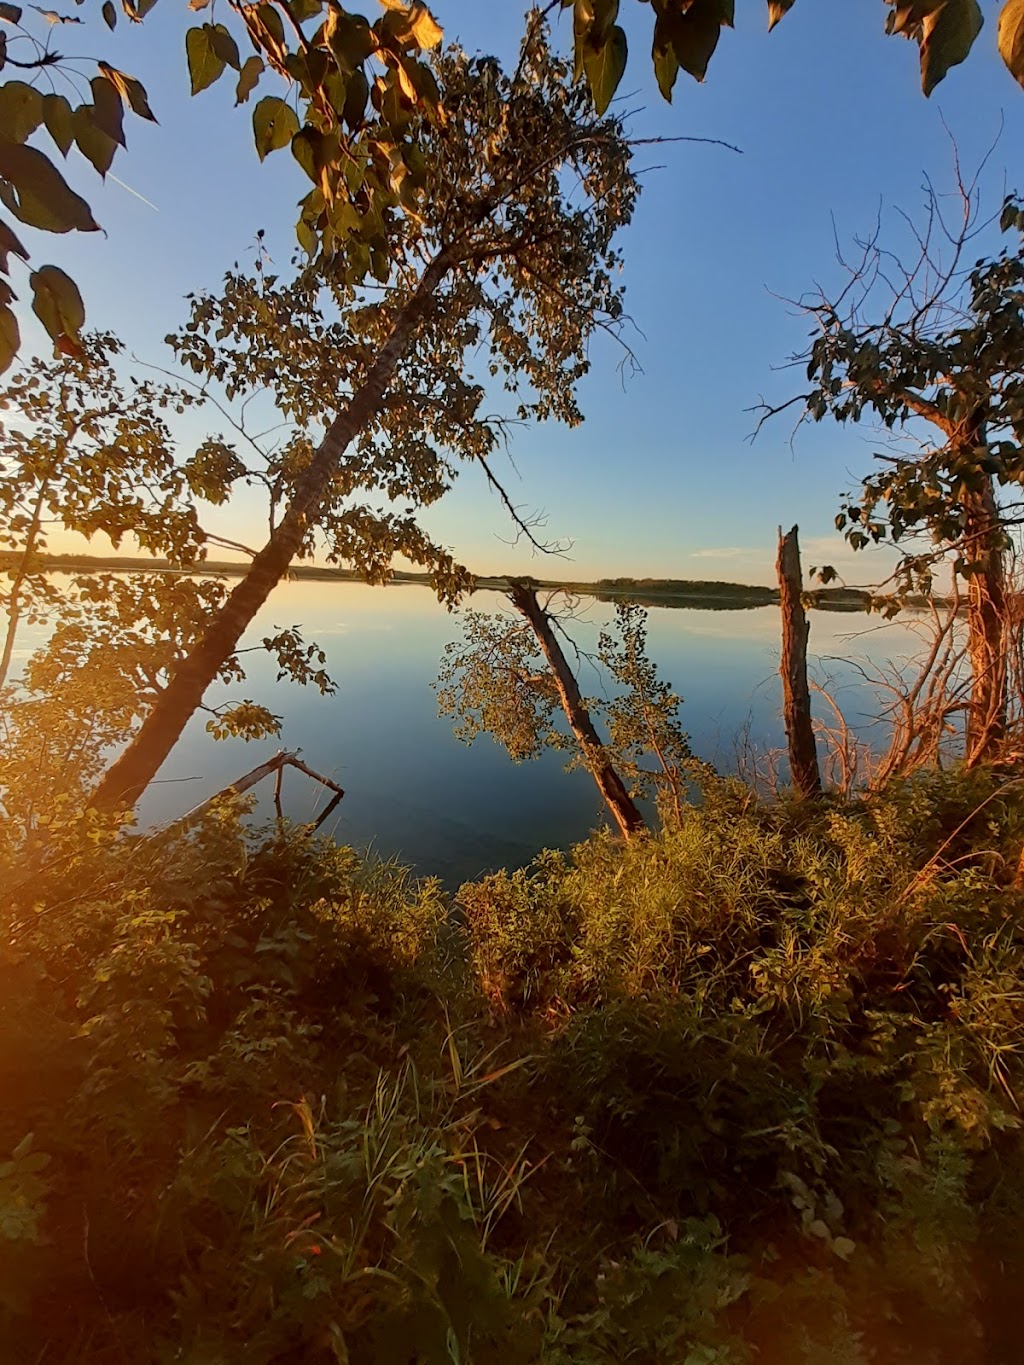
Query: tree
[
  {"x": 511, "y": 252},
  {"x": 359, "y": 96},
  {"x": 935, "y": 348},
  {"x": 593, "y": 753},
  {"x": 86, "y": 449},
  {"x": 509, "y": 677},
  {"x": 91, "y": 455}
]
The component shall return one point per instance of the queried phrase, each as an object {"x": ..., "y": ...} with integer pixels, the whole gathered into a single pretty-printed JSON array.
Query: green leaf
[
  {"x": 204, "y": 62},
  {"x": 248, "y": 79},
  {"x": 225, "y": 47},
  {"x": 10, "y": 338},
  {"x": 357, "y": 92},
  {"x": 948, "y": 35},
  {"x": 350, "y": 39},
  {"x": 94, "y": 144},
  {"x": 776, "y": 10},
  {"x": 666, "y": 68},
  {"x": 695, "y": 36},
  {"x": 57, "y": 303},
  {"x": 59, "y": 121},
  {"x": 1011, "y": 38},
  {"x": 107, "y": 109},
  {"x": 109, "y": 14},
  {"x": 274, "y": 124},
  {"x": 307, "y": 237},
  {"x": 38, "y": 194},
  {"x": 604, "y": 68},
  {"x": 21, "y": 110},
  {"x": 306, "y": 145}
]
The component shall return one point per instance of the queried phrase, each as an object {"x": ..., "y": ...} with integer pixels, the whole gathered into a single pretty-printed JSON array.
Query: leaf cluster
[{"x": 948, "y": 367}]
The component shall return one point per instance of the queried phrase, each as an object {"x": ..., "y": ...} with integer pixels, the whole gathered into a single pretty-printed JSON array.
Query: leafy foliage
[
  {"x": 360, "y": 97},
  {"x": 953, "y": 360},
  {"x": 746, "y": 1090},
  {"x": 89, "y": 450},
  {"x": 686, "y": 34},
  {"x": 494, "y": 680}
]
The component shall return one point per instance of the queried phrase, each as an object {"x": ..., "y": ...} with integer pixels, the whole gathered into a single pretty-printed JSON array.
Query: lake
[{"x": 412, "y": 790}]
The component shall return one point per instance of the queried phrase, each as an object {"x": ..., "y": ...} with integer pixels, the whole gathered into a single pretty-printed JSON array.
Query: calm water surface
[{"x": 412, "y": 789}]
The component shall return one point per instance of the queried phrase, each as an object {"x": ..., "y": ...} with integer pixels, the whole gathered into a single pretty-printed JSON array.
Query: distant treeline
[{"x": 711, "y": 595}]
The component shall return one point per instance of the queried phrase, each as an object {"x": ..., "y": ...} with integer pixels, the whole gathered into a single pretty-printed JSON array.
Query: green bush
[{"x": 744, "y": 1091}]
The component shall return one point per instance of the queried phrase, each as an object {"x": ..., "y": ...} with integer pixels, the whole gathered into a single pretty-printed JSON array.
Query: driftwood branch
[{"x": 277, "y": 764}]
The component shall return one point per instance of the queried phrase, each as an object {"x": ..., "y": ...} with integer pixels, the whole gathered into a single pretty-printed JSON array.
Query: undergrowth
[{"x": 745, "y": 1091}]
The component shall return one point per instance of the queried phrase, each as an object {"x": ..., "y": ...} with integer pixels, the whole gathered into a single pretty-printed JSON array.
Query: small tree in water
[{"x": 509, "y": 678}]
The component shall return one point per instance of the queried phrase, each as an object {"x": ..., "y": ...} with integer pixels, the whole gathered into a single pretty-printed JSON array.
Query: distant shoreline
[{"x": 709, "y": 595}]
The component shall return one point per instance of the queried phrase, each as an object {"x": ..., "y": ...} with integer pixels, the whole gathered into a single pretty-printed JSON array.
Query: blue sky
[{"x": 661, "y": 479}]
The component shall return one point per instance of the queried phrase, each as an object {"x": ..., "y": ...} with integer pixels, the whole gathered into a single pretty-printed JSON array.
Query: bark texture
[
  {"x": 986, "y": 619},
  {"x": 609, "y": 783},
  {"x": 128, "y": 778},
  {"x": 796, "y": 698}
]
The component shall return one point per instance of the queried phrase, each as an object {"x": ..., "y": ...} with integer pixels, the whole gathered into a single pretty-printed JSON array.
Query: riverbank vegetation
[{"x": 745, "y": 1090}]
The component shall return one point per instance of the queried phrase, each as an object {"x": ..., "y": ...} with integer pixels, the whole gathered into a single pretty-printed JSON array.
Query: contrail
[{"x": 113, "y": 177}]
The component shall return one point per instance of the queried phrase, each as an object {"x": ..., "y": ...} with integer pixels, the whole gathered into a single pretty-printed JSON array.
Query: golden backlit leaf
[
  {"x": 130, "y": 90},
  {"x": 1011, "y": 38},
  {"x": 777, "y": 9}
]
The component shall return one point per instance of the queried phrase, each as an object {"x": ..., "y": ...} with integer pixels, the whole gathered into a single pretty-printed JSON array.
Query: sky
[{"x": 662, "y": 479}]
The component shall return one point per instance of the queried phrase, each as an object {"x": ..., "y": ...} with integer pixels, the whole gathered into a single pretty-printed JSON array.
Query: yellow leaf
[
  {"x": 1011, "y": 38},
  {"x": 425, "y": 28}
]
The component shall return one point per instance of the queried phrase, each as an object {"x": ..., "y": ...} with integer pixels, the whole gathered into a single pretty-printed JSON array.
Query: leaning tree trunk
[
  {"x": 796, "y": 697},
  {"x": 128, "y": 778},
  {"x": 986, "y": 623},
  {"x": 609, "y": 783}
]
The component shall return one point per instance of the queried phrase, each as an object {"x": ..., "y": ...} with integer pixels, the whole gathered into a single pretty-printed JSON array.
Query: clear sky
[{"x": 661, "y": 479}]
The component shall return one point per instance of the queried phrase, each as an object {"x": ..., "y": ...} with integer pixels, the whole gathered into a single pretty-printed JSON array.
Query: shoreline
[{"x": 709, "y": 595}]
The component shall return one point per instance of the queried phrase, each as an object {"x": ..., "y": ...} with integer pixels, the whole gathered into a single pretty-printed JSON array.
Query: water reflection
[{"x": 414, "y": 791}]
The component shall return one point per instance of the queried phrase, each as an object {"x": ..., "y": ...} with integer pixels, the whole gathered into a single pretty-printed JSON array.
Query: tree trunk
[
  {"x": 796, "y": 697},
  {"x": 609, "y": 783},
  {"x": 986, "y": 622},
  {"x": 128, "y": 778}
]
